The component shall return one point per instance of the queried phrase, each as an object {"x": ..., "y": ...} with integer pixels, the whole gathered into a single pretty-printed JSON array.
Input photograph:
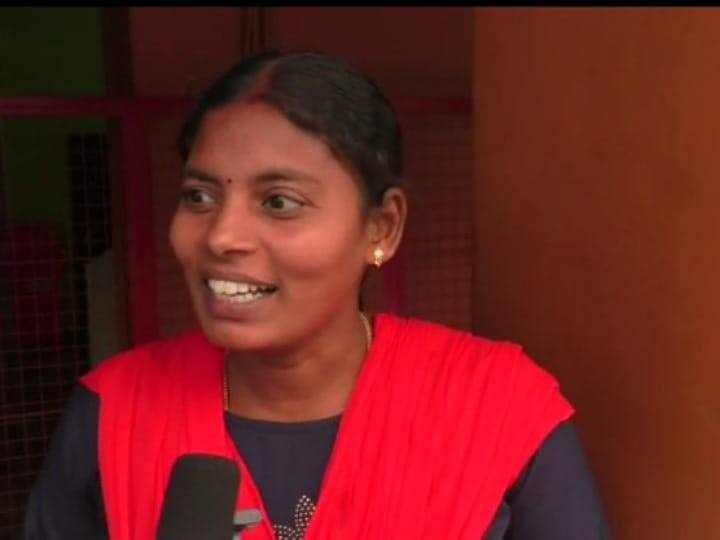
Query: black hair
[{"x": 322, "y": 96}]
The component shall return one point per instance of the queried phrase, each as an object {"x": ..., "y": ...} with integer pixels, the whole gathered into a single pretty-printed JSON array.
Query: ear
[{"x": 387, "y": 223}]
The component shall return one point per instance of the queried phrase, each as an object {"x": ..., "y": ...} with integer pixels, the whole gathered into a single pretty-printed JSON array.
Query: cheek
[
  {"x": 322, "y": 256},
  {"x": 181, "y": 241}
]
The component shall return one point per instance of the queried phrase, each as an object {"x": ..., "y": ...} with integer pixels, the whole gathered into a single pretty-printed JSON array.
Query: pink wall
[
  {"x": 419, "y": 52},
  {"x": 180, "y": 50}
]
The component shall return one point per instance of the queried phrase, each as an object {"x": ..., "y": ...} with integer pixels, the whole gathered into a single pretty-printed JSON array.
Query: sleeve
[
  {"x": 66, "y": 500},
  {"x": 556, "y": 498}
]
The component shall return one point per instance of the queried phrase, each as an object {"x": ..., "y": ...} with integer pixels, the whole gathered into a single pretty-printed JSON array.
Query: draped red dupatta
[{"x": 439, "y": 425}]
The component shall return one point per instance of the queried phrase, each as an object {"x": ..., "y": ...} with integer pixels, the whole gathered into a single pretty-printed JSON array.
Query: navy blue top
[{"x": 554, "y": 499}]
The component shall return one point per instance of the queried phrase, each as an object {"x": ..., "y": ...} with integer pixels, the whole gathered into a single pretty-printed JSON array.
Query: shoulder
[
  {"x": 464, "y": 351},
  {"x": 146, "y": 359},
  {"x": 65, "y": 499},
  {"x": 469, "y": 370}
]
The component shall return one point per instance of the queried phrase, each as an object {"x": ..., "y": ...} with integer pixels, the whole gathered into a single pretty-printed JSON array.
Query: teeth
[
  {"x": 237, "y": 291},
  {"x": 241, "y": 298}
]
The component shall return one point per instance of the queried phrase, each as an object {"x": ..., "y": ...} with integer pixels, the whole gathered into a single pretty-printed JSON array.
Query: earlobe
[
  {"x": 386, "y": 227},
  {"x": 378, "y": 257}
]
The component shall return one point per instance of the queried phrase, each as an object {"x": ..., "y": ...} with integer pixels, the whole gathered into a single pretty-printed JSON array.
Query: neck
[{"x": 311, "y": 382}]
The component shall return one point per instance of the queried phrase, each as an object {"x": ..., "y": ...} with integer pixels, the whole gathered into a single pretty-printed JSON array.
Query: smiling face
[{"x": 269, "y": 231}]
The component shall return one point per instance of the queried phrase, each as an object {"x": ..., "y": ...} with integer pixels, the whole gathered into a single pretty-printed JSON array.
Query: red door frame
[{"x": 131, "y": 115}]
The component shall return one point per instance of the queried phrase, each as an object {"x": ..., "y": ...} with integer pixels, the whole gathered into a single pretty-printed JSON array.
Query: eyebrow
[
  {"x": 273, "y": 175},
  {"x": 199, "y": 174},
  {"x": 265, "y": 177}
]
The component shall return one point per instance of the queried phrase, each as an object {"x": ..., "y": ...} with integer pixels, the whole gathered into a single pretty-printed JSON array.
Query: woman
[{"x": 342, "y": 426}]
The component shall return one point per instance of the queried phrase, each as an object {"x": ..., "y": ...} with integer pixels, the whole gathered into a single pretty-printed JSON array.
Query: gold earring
[{"x": 378, "y": 257}]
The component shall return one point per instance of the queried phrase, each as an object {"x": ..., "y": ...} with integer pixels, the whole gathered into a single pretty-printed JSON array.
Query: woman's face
[{"x": 269, "y": 230}]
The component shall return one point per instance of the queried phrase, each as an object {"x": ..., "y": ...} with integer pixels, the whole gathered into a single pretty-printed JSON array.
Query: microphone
[{"x": 200, "y": 499}]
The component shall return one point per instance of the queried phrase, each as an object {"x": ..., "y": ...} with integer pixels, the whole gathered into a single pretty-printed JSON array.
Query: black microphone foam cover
[{"x": 199, "y": 499}]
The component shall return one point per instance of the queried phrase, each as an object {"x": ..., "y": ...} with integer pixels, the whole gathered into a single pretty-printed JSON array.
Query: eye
[
  {"x": 196, "y": 198},
  {"x": 281, "y": 203}
]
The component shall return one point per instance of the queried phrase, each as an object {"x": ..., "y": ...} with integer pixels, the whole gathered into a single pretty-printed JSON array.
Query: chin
[
  {"x": 235, "y": 336},
  {"x": 225, "y": 334}
]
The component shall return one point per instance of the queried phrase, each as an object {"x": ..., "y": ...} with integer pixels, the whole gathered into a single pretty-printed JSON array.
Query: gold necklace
[
  {"x": 225, "y": 386},
  {"x": 368, "y": 331}
]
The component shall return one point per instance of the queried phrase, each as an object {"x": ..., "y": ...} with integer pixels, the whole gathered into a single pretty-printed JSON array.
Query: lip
[
  {"x": 239, "y": 278},
  {"x": 220, "y": 308}
]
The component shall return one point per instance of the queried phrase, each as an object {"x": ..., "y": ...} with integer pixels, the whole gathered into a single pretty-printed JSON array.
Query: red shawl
[{"x": 439, "y": 425}]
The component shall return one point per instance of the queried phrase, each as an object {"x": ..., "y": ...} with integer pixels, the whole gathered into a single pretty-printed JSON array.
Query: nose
[{"x": 232, "y": 231}]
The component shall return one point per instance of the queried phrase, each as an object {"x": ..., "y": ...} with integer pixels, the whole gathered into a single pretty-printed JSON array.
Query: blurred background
[{"x": 563, "y": 172}]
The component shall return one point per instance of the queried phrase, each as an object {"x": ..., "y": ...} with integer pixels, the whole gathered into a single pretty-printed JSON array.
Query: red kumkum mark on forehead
[{"x": 228, "y": 181}]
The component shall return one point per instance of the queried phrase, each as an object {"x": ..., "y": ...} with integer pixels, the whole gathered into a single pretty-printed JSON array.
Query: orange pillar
[{"x": 597, "y": 158}]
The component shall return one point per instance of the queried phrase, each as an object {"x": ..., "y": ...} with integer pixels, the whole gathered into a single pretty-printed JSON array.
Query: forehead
[{"x": 246, "y": 136}]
